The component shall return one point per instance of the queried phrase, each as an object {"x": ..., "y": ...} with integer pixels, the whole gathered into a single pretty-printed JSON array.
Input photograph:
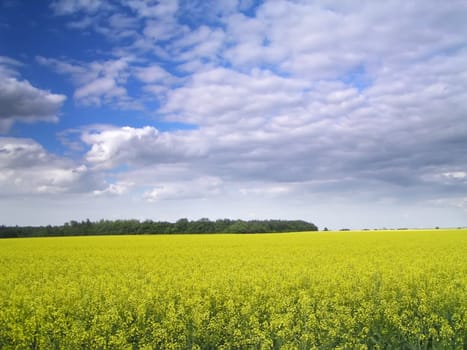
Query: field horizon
[{"x": 121, "y": 227}]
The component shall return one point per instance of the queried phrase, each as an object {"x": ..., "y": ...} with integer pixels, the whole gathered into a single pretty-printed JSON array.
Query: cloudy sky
[{"x": 343, "y": 113}]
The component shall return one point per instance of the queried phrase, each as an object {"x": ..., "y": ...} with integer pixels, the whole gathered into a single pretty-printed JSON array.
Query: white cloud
[
  {"x": 455, "y": 174},
  {"x": 266, "y": 189},
  {"x": 294, "y": 100},
  {"x": 8, "y": 67},
  {"x": 67, "y": 7},
  {"x": 199, "y": 188},
  {"x": 101, "y": 88},
  {"x": 30, "y": 170},
  {"x": 22, "y": 102},
  {"x": 155, "y": 74},
  {"x": 151, "y": 8},
  {"x": 326, "y": 39},
  {"x": 118, "y": 188},
  {"x": 158, "y": 30},
  {"x": 201, "y": 43},
  {"x": 111, "y": 146},
  {"x": 97, "y": 82},
  {"x": 219, "y": 96}
]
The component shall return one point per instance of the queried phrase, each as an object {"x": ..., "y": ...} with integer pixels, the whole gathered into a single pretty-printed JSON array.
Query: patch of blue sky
[
  {"x": 41, "y": 132},
  {"x": 44, "y": 78},
  {"x": 196, "y": 13},
  {"x": 357, "y": 77},
  {"x": 32, "y": 31},
  {"x": 212, "y": 12},
  {"x": 120, "y": 169},
  {"x": 249, "y": 7},
  {"x": 175, "y": 126}
]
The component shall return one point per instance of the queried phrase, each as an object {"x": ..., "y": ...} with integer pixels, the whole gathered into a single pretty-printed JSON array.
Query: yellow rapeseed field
[{"x": 317, "y": 290}]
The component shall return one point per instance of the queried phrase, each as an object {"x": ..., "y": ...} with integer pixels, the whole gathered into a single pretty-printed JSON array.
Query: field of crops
[{"x": 326, "y": 290}]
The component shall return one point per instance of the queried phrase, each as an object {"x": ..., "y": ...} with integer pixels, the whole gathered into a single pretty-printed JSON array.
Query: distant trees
[{"x": 185, "y": 226}]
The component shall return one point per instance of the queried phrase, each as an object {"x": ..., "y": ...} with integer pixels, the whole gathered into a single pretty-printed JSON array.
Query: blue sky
[{"x": 343, "y": 113}]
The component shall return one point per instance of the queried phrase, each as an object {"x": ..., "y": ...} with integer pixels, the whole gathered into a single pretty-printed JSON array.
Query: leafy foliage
[{"x": 119, "y": 227}]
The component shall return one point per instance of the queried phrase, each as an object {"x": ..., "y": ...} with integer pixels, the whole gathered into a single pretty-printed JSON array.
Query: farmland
[{"x": 326, "y": 290}]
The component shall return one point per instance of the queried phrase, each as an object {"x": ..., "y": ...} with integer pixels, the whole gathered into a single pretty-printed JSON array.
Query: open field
[{"x": 326, "y": 290}]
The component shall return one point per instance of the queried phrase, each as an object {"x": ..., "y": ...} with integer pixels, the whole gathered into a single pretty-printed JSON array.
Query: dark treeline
[{"x": 118, "y": 227}]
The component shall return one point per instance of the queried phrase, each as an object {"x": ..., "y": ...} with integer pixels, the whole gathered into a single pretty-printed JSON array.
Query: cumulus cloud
[
  {"x": 22, "y": 102},
  {"x": 221, "y": 95},
  {"x": 118, "y": 20},
  {"x": 98, "y": 82},
  {"x": 8, "y": 67},
  {"x": 202, "y": 43},
  {"x": 112, "y": 146},
  {"x": 323, "y": 97},
  {"x": 27, "y": 168},
  {"x": 287, "y": 99},
  {"x": 104, "y": 87},
  {"x": 155, "y": 74},
  {"x": 323, "y": 40}
]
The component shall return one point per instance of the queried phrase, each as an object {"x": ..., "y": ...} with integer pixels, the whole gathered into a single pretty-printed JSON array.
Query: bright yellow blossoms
[{"x": 346, "y": 290}]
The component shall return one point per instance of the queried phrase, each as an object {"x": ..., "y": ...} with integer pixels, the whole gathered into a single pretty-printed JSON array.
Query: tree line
[{"x": 182, "y": 226}]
